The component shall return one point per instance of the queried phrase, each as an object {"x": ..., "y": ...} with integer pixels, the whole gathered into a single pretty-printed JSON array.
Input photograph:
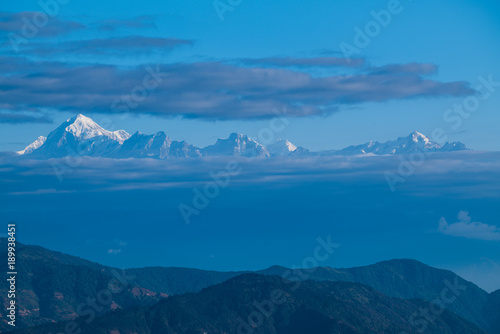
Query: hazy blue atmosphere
[
  {"x": 125, "y": 214},
  {"x": 430, "y": 67}
]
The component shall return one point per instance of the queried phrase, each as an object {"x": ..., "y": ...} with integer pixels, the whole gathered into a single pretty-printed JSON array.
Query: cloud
[
  {"x": 305, "y": 62},
  {"x": 208, "y": 90},
  {"x": 475, "y": 170},
  {"x": 115, "y": 45},
  {"x": 468, "y": 229},
  {"x": 410, "y": 68},
  {"x": 25, "y": 21},
  {"x": 17, "y": 118},
  {"x": 41, "y": 192},
  {"x": 115, "y": 251},
  {"x": 138, "y": 22}
]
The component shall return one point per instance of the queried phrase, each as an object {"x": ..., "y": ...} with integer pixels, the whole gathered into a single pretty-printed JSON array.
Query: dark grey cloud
[
  {"x": 105, "y": 46},
  {"x": 18, "y": 23},
  {"x": 410, "y": 68},
  {"x": 138, "y": 22},
  {"x": 305, "y": 62},
  {"x": 125, "y": 43},
  {"x": 210, "y": 90},
  {"x": 17, "y": 118}
]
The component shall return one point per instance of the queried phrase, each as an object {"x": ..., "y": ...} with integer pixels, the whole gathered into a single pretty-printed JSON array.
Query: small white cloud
[
  {"x": 41, "y": 192},
  {"x": 114, "y": 251},
  {"x": 466, "y": 228}
]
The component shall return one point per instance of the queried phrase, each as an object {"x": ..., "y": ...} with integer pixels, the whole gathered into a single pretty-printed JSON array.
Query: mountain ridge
[
  {"x": 268, "y": 304},
  {"x": 399, "y": 278},
  {"x": 81, "y": 136}
]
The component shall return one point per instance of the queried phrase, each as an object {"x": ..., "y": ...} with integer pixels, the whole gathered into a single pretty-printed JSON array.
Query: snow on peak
[
  {"x": 82, "y": 135},
  {"x": 120, "y": 135},
  {"x": 83, "y": 127},
  {"x": 33, "y": 146},
  {"x": 414, "y": 142},
  {"x": 236, "y": 144},
  {"x": 417, "y": 136},
  {"x": 238, "y": 137},
  {"x": 290, "y": 146},
  {"x": 281, "y": 147}
]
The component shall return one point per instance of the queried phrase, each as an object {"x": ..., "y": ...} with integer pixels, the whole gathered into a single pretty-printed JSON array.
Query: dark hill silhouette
[
  {"x": 53, "y": 284},
  {"x": 253, "y": 303}
]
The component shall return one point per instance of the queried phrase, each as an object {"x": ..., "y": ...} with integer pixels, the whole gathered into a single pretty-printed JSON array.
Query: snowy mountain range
[
  {"x": 403, "y": 145},
  {"x": 82, "y": 136}
]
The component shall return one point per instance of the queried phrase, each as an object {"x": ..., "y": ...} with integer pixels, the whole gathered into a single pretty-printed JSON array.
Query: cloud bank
[
  {"x": 125, "y": 46},
  {"x": 206, "y": 90},
  {"x": 229, "y": 89}
]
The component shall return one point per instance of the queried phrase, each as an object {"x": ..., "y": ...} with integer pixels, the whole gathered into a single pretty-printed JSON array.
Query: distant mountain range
[
  {"x": 387, "y": 297},
  {"x": 81, "y": 136}
]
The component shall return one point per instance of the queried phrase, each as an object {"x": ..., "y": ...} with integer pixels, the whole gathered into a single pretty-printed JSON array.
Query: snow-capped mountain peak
[
  {"x": 290, "y": 146},
  {"x": 81, "y": 136},
  {"x": 83, "y": 128},
  {"x": 33, "y": 146},
  {"x": 417, "y": 136},
  {"x": 419, "y": 140},
  {"x": 282, "y": 147},
  {"x": 236, "y": 144}
]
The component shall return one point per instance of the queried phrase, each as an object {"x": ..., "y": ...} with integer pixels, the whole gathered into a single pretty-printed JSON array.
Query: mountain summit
[
  {"x": 158, "y": 146},
  {"x": 81, "y": 136},
  {"x": 415, "y": 142},
  {"x": 237, "y": 144},
  {"x": 281, "y": 147},
  {"x": 33, "y": 146},
  {"x": 83, "y": 128}
]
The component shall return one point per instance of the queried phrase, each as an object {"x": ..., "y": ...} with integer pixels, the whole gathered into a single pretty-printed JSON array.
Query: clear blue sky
[{"x": 460, "y": 37}]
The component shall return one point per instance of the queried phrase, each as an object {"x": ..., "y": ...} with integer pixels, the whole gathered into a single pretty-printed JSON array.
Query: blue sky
[{"x": 459, "y": 37}]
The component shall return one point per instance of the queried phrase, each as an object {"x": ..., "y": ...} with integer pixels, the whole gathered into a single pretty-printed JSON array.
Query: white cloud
[
  {"x": 466, "y": 228},
  {"x": 42, "y": 192},
  {"x": 114, "y": 251}
]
